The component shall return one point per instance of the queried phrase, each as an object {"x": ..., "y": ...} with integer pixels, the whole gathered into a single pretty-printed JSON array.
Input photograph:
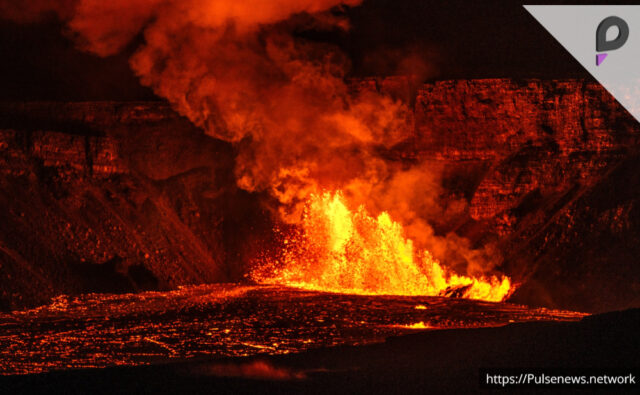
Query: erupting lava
[
  {"x": 339, "y": 250},
  {"x": 257, "y": 75}
]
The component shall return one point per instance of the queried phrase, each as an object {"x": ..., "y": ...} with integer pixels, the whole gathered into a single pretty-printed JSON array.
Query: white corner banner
[{"x": 605, "y": 40}]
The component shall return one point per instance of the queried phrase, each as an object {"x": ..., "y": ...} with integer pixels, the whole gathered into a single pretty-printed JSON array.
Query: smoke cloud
[{"x": 242, "y": 71}]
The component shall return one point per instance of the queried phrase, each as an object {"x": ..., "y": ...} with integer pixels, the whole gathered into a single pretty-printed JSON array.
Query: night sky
[{"x": 454, "y": 39}]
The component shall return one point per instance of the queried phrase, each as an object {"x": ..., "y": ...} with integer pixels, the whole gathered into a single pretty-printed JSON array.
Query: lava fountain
[{"x": 339, "y": 250}]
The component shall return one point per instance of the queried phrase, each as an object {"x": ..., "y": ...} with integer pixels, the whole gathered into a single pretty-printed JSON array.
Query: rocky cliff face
[
  {"x": 113, "y": 197},
  {"x": 548, "y": 168},
  {"x": 129, "y": 196},
  {"x": 534, "y": 136}
]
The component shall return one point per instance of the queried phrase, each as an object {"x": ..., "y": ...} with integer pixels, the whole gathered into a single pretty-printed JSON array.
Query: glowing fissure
[{"x": 344, "y": 251}]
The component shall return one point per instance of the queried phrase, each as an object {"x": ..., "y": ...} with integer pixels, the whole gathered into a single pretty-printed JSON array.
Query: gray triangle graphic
[{"x": 576, "y": 29}]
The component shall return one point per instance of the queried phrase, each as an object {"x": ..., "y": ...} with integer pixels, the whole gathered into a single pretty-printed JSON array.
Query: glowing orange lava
[{"x": 342, "y": 251}]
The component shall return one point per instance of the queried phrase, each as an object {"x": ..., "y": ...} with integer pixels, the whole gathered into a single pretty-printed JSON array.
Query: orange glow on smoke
[
  {"x": 344, "y": 251},
  {"x": 245, "y": 73}
]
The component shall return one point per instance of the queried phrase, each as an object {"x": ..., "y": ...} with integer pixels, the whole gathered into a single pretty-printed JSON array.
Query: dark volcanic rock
[
  {"x": 141, "y": 202},
  {"x": 551, "y": 170},
  {"x": 536, "y": 136}
]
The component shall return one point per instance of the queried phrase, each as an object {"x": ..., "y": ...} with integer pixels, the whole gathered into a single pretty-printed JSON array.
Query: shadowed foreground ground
[{"x": 427, "y": 362}]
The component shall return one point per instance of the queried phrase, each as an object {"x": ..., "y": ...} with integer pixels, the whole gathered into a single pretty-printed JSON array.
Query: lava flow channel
[{"x": 339, "y": 250}]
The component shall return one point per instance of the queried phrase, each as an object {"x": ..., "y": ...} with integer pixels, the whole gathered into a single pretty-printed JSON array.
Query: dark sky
[{"x": 455, "y": 38}]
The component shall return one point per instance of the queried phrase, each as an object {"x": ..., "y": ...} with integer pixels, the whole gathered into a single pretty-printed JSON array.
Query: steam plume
[{"x": 241, "y": 71}]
